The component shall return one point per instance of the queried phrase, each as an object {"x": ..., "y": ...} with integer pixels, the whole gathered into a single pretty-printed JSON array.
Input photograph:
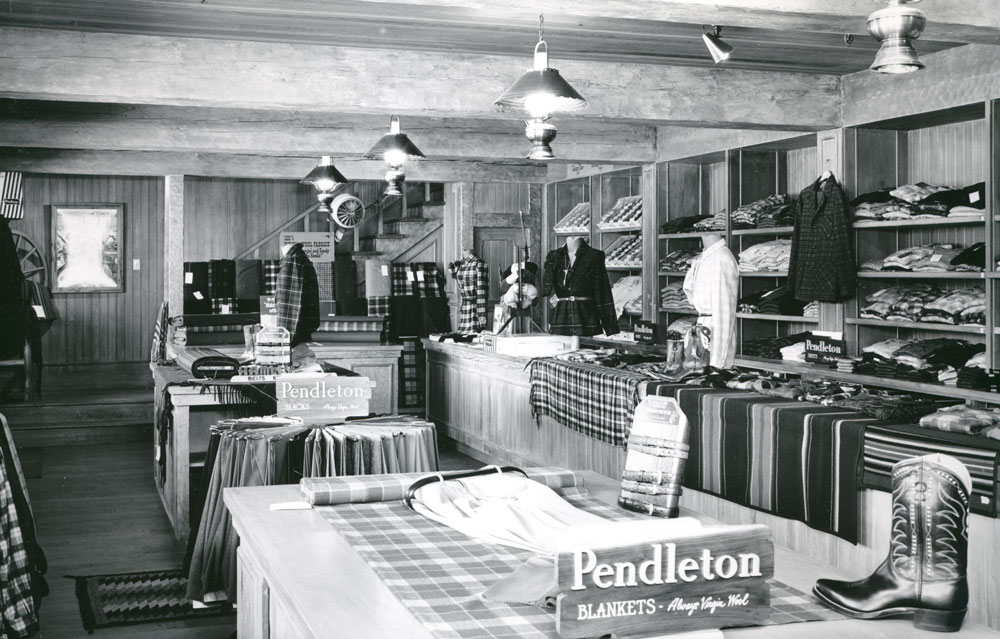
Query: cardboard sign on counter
[
  {"x": 646, "y": 332},
  {"x": 323, "y": 398}
]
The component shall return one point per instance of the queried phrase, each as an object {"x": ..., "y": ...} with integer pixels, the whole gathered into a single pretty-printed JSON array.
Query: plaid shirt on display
[
  {"x": 472, "y": 276},
  {"x": 270, "y": 284},
  {"x": 593, "y": 400},
  {"x": 297, "y": 296}
]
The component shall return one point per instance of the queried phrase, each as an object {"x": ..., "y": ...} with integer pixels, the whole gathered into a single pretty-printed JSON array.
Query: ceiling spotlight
[
  {"x": 395, "y": 148},
  {"x": 895, "y": 26},
  {"x": 326, "y": 179},
  {"x": 720, "y": 50},
  {"x": 541, "y": 92}
]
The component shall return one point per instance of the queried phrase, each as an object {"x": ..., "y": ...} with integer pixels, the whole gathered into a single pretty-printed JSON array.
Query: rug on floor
[{"x": 138, "y": 597}]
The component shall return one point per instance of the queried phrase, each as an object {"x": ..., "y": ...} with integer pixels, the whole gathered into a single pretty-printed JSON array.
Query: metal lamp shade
[
  {"x": 543, "y": 81},
  {"x": 394, "y": 142},
  {"x": 325, "y": 176},
  {"x": 720, "y": 50},
  {"x": 896, "y": 26}
]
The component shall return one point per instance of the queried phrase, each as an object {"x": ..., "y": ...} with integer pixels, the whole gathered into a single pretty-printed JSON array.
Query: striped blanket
[
  {"x": 794, "y": 459},
  {"x": 886, "y": 445}
]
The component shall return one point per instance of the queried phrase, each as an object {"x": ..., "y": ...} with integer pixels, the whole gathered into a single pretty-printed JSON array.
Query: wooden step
[
  {"x": 365, "y": 254},
  {"x": 62, "y": 434},
  {"x": 79, "y": 413},
  {"x": 385, "y": 236}
]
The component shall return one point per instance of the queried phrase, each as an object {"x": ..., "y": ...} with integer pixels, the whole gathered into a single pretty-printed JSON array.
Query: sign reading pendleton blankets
[
  {"x": 322, "y": 398},
  {"x": 708, "y": 577}
]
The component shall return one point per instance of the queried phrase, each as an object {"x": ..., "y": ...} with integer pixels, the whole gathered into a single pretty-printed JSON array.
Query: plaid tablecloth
[
  {"x": 886, "y": 445},
  {"x": 593, "y": 400},
  {"x": 438, "y": 572}
]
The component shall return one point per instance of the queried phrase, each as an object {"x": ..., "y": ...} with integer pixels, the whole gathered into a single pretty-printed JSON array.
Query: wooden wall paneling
[
  {"x": 684, "y": 192},
  {"x": 759, "y": 175},
  {"x": 950, "y": 154},
  {"x": 716, "y": 178},
  {"x": 800, "y": 170},
  {"x": 650, "y": 242},
  {"x": 103, "y": 328}
]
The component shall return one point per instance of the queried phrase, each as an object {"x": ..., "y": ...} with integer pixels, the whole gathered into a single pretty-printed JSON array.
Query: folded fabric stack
[
  {"x": 679, "y": 260},
  {"x": 930, "y": 360},
  {"x": 887, "y": 348},
  {"x": 681, "y": 326},
  {"x": 910, "y": 308},
  {"x": 962, "y": 306},
  {"x": 683, "y": 224},
  {"x": 794, "y": 352},
  {"x": 931, "y": 258},
  {"x": 626, "y": 251},
  {"x": 847, "y": 364},
  {"x": 672, "y": 296},
  {"x": 634, "y": 306},
  {"x": 879, "y": 305},
  {"x": 767, "y": 210},
  {"x": 626, "y": 213},
  {"x": 766, "y": 257},
  {"x": 779, "y": 301},
  {"x": 811, "y": 309},
  {"x": 770, "y": 347},
  {"x": 626, "y": 291},
  {"x": 576, "y": 221},
  {"x": 890, "y": 406},
  {"x": 962, "y": 419},
  {"x": 715, "y": 223},
  {"x": 921, "y": 200}
]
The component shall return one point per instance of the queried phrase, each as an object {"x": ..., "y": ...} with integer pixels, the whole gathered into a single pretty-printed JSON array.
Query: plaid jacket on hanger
[
  {"x": 297, "y": 297},
  {"x": 472, "y": 276}
]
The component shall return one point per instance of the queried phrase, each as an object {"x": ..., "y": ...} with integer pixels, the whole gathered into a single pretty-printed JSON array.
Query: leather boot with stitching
[{"x": 925, "y": 572}]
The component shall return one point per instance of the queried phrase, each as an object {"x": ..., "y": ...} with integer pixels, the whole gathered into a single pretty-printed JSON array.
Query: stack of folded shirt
[
  {"x": 811, "y": 309},
  {"x": 977, "y": 361},
  {"x": 626, "y": 291},
  {"x": 887, "y": 348},
  {"x": 672, "y": 296},
  {"x": 948, "y": 376},
  {"x": 681, "y": 326},
  {"x": 904, "y": 259},
  {"x": 921, "y": 200},
  {"x": 778, "y": 301},
  {"x": 715, "y": 223},
  {"x": 679, "y": 260},
  {"x": 973, "y": 378},
  {"x": 962, "y": 419},
  {"x": 970, "y": 259},
  {"x": 770, "y": 347},
  {"x": 794, "y": 352},
  {"x": 890, "y": 406},
  {"x": 683, "y": 224},
  {"x": 748, "y": 215},
  {"x": 962, "y": 306},
  {"x": 880, "y": 304},
  {"x": 871, "y": 265},
  {"x": 917, "y": 354},
  {"x": 847, "y": 364},
  {"x": 783, "y": 215},
  {"x": 634, "y": 306},
  {"x": 766, "y": 257},
  {"x": 914, "y": 193},
  {"x": 931, "y": 258},
  {"x": 911, "y": 307}
]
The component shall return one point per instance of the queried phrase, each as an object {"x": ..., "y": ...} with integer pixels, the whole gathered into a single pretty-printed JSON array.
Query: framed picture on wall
[{"x": 87, "y": 248}]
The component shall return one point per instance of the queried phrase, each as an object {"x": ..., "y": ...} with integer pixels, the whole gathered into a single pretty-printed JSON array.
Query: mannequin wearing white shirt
[{"x": 711, "y": 285}]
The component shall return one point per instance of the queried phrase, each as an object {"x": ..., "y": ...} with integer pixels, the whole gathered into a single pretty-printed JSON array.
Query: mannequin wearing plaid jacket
[
  {"x": 297, "y": 296},
  {"x": 472, "y": 276},
  {"x": 579, "y": 280}
]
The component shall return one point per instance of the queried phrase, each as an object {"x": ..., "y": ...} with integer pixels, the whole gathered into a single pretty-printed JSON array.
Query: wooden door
[{"x": 495, "y": 246}]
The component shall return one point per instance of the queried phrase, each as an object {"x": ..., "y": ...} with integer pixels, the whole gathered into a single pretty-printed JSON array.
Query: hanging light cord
[{"x": 541, "y": 27}]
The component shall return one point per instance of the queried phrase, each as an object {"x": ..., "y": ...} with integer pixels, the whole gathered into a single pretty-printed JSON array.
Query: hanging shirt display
[
  {"x": 297, "y": 295},
  {"x": 585, "y": 305},
  {"x": 472, "y": 277},
  {"x": 711, "y": 285}
]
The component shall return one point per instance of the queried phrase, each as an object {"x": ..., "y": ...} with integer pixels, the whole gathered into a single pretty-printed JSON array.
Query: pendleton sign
[
  {"x": 710, "y": 577},
  {"x": 322, "y": 398}
]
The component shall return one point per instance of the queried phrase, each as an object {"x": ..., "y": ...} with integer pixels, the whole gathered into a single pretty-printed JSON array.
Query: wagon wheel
[
  {"x": 32, "y": 260},
  {"x": 347, "y": 211}
]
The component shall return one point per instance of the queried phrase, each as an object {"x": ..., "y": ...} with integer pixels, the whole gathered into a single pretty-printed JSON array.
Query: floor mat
[{"x": 139, "y": 597}]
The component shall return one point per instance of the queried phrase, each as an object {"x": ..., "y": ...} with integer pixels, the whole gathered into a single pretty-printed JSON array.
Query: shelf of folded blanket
[
  {"x": 620, "y": 229},
  {"x": 773, "y": 230},
  {"x": 763, "y": 273},
  {"x": 921, "y": 326},
  {"x": 798, "y": 368},
  {"x": 680, "y": 236},
  {"x": 920, "y": 221},
  {"x": 673, "y": 273},
  {"x": 921, "y": 275},
  {"x": 778, "y": 318}
]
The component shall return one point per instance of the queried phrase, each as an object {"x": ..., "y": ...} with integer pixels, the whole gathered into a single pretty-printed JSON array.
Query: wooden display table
[
  {"x": 300, "y": 579},
  {"x": 194, "y": 411}
]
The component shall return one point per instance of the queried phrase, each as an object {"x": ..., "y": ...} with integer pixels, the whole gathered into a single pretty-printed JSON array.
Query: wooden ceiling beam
[
  {"x": 949, "y": 20},
  {"x": 113, "y": 68},
  {"x": 75, "y": 162},
  {"x": 121, "y": 127}
]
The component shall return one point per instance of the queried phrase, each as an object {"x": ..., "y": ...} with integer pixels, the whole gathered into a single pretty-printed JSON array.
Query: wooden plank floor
[{"x": 97, "y": 512}]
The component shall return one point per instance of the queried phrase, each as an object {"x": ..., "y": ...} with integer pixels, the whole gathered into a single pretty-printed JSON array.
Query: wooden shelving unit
[
  {"x": 926, "y": 275},
  {"x": 773, "y": 230},
  {"x": 778, "y": 318}
]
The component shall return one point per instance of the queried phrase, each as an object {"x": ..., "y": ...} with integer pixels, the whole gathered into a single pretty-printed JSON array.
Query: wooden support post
[{"x": 173, "y": 243}]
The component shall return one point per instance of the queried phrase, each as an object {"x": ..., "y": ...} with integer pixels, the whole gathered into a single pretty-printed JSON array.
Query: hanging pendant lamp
[
  {"x": 896, "y": 26},
  {"x": 541, "y": 92},
  {"x": 719, "y": 49},
  {"x": 396, "y": 149},
  {"x": 326, "y": 179}
]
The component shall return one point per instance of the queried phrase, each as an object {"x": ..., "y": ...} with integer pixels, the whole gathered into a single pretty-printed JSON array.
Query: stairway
[
  {"x": 85, "y": 410},
  {"x": 398, "y": 235}
]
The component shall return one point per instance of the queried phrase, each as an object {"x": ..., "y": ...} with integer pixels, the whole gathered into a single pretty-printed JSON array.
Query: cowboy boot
[{"x": 925, "y": 572}]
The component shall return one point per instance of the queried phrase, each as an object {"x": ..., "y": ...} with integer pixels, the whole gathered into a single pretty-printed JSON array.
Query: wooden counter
[
  {"x": 194, "y": 412},
  {"x": 480, "y": 400},
  {"x": 299, "y": 579}
]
